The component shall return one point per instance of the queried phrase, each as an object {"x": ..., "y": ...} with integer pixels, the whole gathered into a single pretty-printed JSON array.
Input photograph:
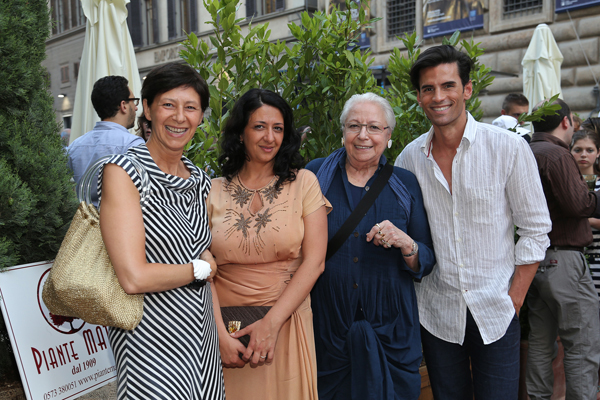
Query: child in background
[{"x": 585, "y": 147}]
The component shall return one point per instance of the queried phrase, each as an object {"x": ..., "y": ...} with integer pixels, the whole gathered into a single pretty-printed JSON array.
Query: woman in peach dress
[{"x": 269, "y": 225}]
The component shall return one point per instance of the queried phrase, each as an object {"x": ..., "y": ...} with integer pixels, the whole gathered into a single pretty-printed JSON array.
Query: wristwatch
[{"x": 415, "y": 248}]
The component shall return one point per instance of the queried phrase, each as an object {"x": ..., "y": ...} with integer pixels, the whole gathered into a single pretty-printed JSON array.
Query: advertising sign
[
  {"x": 567, "y": 5},
  {"x": 444, "y": 17},
  {"x": 58, "y": 357}
]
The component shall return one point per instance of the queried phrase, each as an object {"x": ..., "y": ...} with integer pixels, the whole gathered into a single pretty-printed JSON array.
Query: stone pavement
[{"x": 106, "y": 392}]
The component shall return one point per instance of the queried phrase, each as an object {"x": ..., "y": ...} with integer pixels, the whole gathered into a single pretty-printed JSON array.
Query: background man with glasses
[
  {"x": 116, "y": 107},
  {"x": 478, "y": 182}
]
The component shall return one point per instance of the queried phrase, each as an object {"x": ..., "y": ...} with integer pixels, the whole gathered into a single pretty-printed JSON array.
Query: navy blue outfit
[{"x": 366, "y": 321}]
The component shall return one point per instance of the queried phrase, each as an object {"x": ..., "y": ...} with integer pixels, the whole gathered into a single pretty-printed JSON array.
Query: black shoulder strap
[{"x": 359, "y": 212}]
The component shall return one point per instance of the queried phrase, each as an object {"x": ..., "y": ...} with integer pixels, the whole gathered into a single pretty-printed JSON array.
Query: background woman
[
  {"x": 269, "y": 226},
  {"x": 365, "y": 310},
  {"x": 144, "y": 130},
  {"x": 585, "y": 147},
  {"x": 173, "y": 353}
]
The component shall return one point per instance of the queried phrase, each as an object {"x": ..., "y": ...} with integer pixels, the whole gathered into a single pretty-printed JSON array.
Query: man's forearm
[{"x": 523, "y": 276}]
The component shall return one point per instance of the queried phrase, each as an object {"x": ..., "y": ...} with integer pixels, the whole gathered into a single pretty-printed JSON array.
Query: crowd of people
[{"x": 360, "y": 267}]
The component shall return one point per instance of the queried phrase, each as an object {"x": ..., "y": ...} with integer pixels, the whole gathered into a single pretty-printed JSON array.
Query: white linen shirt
[{"x": 495, "y": 185}]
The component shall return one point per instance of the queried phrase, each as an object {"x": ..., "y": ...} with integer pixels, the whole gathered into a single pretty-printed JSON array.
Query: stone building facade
[{"x": 157, "y": 27}]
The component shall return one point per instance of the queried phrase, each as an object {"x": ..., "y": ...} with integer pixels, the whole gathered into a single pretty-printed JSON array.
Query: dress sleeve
[
  {"x": 312, "y": 198},
  {"x": 122, "y": 161}
]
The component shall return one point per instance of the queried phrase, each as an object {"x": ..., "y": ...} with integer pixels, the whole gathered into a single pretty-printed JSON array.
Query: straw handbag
[{"x": 82, "y": 282}]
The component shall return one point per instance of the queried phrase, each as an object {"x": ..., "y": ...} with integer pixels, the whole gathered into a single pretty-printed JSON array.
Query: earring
[
  {"x": 390, "y": 144},
  {"x": 342, "y": 141}
]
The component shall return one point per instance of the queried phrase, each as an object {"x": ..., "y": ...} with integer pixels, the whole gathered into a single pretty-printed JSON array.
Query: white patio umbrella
[
  {"x": 107, "y": 50},
  {"x": 541, "y": 67}
]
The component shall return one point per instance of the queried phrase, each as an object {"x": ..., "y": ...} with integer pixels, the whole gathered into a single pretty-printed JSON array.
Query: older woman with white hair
[{"x": 365, "y": 311}]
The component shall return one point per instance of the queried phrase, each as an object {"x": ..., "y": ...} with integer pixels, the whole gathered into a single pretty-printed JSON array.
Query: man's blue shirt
[{"x": 106, "y": 138}]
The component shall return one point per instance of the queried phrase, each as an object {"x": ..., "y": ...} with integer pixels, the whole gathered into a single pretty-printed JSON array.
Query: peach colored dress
[{"x": 257, "y": 254}]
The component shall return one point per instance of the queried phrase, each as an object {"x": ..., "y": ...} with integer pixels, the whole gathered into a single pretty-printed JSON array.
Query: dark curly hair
[
  {"x": 107, "y": 95},
  {"x": 233, "y": 151}
]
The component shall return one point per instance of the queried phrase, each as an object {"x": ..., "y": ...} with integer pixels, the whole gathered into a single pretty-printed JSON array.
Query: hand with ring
[
  {"x": 263, "y": 338},
  {"x": 386, "y": 234}
]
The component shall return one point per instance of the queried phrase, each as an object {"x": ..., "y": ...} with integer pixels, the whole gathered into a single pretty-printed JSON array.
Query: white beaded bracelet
[{"x": 202, "y": 269}]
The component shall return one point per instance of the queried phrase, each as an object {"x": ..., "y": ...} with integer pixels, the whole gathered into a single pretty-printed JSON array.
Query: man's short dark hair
[
  {"x": 551, "y": 122},
  {"x": 107, "y": 95},
  {"x": 444, "y": 54},
  {"x": 173, "y": 75},
  {"x": 514, "y": 99}
]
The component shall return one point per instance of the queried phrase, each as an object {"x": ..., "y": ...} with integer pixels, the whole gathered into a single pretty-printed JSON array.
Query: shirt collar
[
  {"x": 106, "y": 125},
  {"x": 468, "y": 135},
  {"x": 546, "y": 137}
]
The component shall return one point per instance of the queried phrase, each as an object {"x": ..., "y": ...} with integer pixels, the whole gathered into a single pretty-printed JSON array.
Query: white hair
[{"x": 369, "y": 98}]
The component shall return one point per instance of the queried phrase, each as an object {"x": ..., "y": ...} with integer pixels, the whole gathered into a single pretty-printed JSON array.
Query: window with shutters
[
  {"x": 182, "y": 17},
  {"x": 512, "y": 8},
  {"x": 134, "y": 22},
  {"x": 142, "y": 22},
  {"x": 515, "y": 14},
  {"x": 64, "y": 74},
  {"x": 66, "y": 15},
  {"x": 400, "y": 15},
  {"x": 151, "y": 22},
  {"x": 256, "y": 8}
]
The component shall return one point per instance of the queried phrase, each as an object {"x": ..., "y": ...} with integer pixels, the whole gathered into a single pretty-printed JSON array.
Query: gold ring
[{"x": 379, "y": 226}]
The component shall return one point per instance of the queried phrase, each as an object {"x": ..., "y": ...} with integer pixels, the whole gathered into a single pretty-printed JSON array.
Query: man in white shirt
[{"x": 478, "y": 181}]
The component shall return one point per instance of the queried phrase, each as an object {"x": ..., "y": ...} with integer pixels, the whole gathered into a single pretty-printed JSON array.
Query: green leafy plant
[
  {"x": 232, "y": 64},
  {"x": 316, "y": 74},
  {"x": 37, "y": 201},
  {"x": 330, "y": 69},
  {"x": 547, "y": 108}
]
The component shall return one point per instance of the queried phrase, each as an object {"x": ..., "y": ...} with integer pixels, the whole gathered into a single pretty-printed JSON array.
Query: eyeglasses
[
  {"x": 135, "y": 100},
  {"x": 372, "y": 129}
]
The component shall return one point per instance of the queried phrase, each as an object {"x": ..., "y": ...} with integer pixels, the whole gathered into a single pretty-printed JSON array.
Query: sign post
[{"x": 58, "y": 357}]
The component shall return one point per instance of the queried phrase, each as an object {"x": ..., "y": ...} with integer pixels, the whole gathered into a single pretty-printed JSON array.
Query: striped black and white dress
[
  {"x": 174, "y": 352},
  {"x": 593, "y": 251}
]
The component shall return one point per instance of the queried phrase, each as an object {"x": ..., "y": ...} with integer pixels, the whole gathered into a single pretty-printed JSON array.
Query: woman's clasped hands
[{"x": 261, "y": 348}]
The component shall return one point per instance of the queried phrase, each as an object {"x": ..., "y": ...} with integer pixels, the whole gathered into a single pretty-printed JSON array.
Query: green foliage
[
  {"x": 36, "y": 198},
  {"x": 234, "y": 63},
  {"x": 329, "y": 69},
  {"x": 547, "y": 108},
  {"x": 21, "y": 26},
  {"x": 315, "y": 74}
]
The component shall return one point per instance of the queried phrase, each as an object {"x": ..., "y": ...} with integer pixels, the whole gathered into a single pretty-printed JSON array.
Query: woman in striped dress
[{"x": 155, "y": 249}]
